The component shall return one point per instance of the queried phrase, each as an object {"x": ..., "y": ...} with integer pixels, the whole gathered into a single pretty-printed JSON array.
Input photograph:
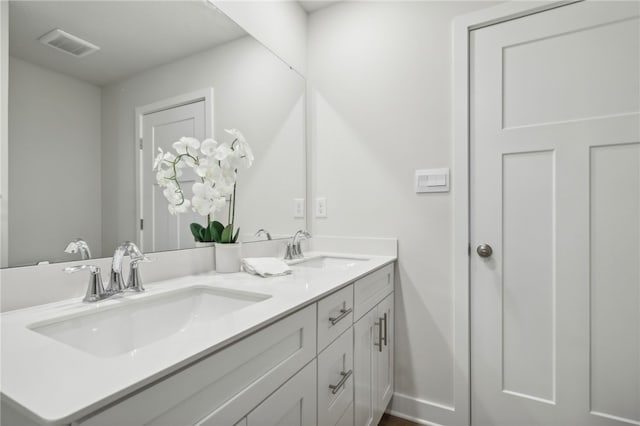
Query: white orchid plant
[{"x": 216, "y": 164}]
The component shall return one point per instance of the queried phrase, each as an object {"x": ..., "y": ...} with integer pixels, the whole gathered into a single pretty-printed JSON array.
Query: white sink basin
[
  {"x": 329, "y": 262},
  {"x": 119, "y": 329}
]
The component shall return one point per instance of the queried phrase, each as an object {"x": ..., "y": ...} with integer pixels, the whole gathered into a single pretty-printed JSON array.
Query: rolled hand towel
[{"x": 265, "y": 266}]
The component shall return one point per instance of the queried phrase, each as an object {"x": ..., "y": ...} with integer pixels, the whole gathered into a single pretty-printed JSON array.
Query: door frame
[
  {"x": 461, "y": 254},
  {"x": 205, "y": 95}
]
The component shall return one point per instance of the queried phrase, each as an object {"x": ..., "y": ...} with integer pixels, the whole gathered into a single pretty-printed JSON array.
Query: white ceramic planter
[
  {"x": 228, "y": 257},
  {"x": 200, "y": 244}
]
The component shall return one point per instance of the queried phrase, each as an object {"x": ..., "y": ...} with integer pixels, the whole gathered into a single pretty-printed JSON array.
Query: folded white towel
[{"x": 265, "y": 266}]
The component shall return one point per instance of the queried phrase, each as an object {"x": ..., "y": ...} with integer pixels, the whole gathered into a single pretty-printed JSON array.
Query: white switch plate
[
  {"x": 432, "y": 180},
  {"x": 298, "y": 208},
  {"x": 321, "y": 207}
]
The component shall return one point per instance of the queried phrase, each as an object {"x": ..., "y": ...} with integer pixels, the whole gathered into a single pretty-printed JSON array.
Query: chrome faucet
[
  {"x": 96, "y": 290},
  {"x": 264, "y": 232},
  {"x": 116, "y": 283},
  {"x": 79, "y": 245},
  {"x": 294, "y": 250}
]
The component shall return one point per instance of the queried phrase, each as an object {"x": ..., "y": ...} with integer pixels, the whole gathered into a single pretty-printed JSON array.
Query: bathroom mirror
[{"x": 80, "y": 123}]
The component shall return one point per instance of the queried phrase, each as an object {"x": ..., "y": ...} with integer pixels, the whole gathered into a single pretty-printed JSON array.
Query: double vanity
[{"x": 311, "y": 348}]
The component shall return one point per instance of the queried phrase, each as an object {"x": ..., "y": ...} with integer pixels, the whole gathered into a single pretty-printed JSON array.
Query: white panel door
[
  {"x": 555, "y": 191},
  {"x": 163, "y": 231}
]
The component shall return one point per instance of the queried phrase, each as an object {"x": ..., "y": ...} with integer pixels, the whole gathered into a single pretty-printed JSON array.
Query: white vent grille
[{"x": 68, "y": 43}]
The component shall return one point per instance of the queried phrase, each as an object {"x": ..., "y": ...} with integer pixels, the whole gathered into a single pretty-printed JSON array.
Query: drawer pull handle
[
  {"x": 345, "y": 376},
  {"x": 343, "y": 313},
  {"x": 380, "y": 337},
  {"x": 384, "y": 318}
]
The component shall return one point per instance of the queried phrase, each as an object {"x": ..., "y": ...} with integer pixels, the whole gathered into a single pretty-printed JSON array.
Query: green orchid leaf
[
  {"x": 227, "y": 234},
  {"x": 195, "y": 231},
  {"x": 215, "y": 233},
  {"x": 207, "y": 235},
  {"x": 203, "y": 235},
  {"x": 235, "y": 237},
  {"x": 217, "y": 229}
]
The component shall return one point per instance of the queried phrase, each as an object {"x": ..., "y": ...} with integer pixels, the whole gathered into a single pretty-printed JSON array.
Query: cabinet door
[
  {"x": 364, "y": 368},
  {"x": 384, "y": 367},
  {"x": 294, "y": 404}
]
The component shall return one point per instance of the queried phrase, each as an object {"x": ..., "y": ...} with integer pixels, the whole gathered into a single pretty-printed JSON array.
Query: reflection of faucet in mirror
[
  {"x": 79, "y": 245},
  {"x": 294, "y": 250},
  {"x": 116, "y": 284},
  {"x": 263, "y": 231}
]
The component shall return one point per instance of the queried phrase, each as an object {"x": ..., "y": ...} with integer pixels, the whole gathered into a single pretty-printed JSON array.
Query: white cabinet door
[
  {"x": 373, "y": 363},
  {"x": 384, "y": 367},
  {"x": 364, "y": 371},
  {"x": 294, "y": 404}
]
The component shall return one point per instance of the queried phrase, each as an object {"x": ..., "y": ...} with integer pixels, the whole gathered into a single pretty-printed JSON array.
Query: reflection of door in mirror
[{"x": 160, "y": 230}]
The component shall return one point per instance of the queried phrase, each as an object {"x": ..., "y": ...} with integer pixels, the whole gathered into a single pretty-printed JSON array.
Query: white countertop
[{"x": 54, "y": 383}]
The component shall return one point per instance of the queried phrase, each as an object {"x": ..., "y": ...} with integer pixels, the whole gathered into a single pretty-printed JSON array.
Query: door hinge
[
  {"x": 140, "y": 142},
  {"x": 142, "y": 224},
  {"x": 469, "y": 249}
]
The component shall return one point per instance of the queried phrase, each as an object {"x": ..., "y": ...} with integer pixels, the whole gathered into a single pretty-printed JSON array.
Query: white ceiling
[
  {"x": 313, "y": 5},
  {"x": 132, "y": 35}
]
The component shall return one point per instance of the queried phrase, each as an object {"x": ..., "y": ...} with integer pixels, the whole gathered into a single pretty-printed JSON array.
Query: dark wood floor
[{"x": 388, "y": 420}]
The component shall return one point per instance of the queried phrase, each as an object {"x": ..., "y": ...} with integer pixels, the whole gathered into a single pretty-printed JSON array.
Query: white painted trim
[
  {"x": 205, "y": 95},
  {"x": 462, "y": 25},
  {"x": 417, "y": 410},
  {"x": 4, "y": 134}
]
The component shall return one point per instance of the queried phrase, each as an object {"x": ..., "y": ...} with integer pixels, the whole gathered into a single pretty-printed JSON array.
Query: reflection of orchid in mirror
[{"x": 217, "y": 166}]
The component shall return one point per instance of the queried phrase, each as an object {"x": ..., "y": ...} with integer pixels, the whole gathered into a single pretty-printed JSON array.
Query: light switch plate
[
  {"x": 321, "y": 207},
  {"x": 298, "y": 208},
  {"x": 432, "y": 180}
]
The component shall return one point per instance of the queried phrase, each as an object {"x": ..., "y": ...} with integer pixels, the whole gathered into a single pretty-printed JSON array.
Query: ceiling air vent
[{"x": 68, "y": 43}]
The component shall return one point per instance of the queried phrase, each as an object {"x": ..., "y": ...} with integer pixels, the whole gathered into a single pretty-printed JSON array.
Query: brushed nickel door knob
[{"x": 484, "y": 250}]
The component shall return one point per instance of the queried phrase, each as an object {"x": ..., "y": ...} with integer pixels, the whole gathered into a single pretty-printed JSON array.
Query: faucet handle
[
  {"x": 95, "y": 289},
  {"x": 134, "y": 283}
]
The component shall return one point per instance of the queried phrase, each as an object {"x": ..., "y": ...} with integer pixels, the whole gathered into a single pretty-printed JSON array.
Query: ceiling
[
  {"x": 313, "y": 5},
  {"x": 132, "y": 35}
]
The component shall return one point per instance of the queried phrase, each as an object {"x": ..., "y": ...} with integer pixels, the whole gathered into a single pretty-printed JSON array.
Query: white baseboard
[
  {"x": 422, "y": 411},
  {"x": 412, "y": 419}
]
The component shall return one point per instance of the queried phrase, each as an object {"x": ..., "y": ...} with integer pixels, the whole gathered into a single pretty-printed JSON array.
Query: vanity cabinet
[
  {"x": 222, "y": 388},
  {"x": 328, "y": 364},
  {"x": 373, "y": 348}
]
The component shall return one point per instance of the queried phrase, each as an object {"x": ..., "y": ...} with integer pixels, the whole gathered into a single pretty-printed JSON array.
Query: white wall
[
  {"x": 279, "y": 25},
  {"x": 380, "y": 107},
  {"x": 4, "y": 136},
  {"x": 55, "y": 165},
  {"x": 254, "y": 92}
]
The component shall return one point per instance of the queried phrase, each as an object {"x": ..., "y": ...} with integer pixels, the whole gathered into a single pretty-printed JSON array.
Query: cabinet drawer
[
  {"x": 371, "y": 289},
  {"x": 335, "y": 315},
  {"x": 226, "y": 385},
  {"x": 335, "y": 380}
]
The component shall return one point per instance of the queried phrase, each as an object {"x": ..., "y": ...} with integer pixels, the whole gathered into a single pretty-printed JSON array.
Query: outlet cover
[
  {"x": 321, "y": 207},
  {"x": 298, "y": 208}
]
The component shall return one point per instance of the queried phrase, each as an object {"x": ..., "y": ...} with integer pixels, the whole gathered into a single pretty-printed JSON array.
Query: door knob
[{"x": 484, "y": 250}]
